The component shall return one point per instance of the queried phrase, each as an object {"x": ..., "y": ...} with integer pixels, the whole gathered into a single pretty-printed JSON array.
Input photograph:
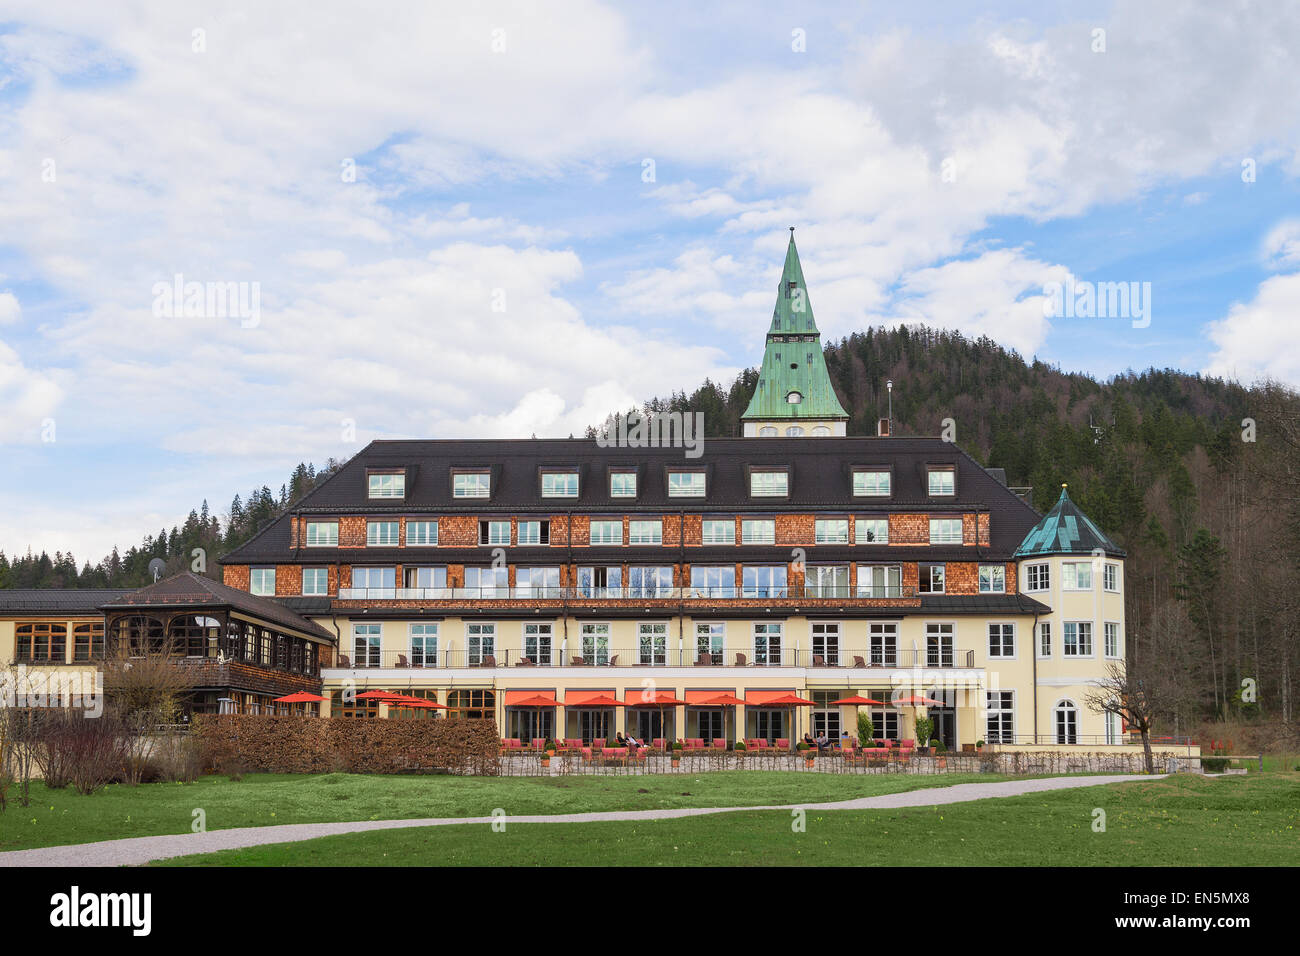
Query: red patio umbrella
[
  {"x": 722, "y": 700},
  {"x": 537, "y": 702},
  {"x": 660, "y": 699},
  {"x": 419, "y": 703},
  {"x": 858, "y": 702},
  {"x": 300, "y": 697},
  {"x": 597, "y": 703},
  {"x": 792, "y": 701}
]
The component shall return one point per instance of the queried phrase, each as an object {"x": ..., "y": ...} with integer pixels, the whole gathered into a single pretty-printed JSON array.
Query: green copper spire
[{"x": 793, "y": 383}]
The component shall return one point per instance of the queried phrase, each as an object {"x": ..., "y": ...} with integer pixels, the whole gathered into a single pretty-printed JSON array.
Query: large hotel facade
[{"x": 569, "y": 588}]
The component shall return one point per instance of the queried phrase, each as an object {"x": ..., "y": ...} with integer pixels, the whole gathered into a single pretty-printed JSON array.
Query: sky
[{"x": 515, "y": 218}]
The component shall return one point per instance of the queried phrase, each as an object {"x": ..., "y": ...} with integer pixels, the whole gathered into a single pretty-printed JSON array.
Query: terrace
[{"x": 456, "y": 658}]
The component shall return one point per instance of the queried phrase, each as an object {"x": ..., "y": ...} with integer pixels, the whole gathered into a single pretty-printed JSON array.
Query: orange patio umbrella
[
  {"x": 418, "y": 703},
  {"x": 597, "y": 703},
  {"x": 917, "y": 702},
  {"x": 723, "y": 700},
  {"x": 299, "y": 697}
]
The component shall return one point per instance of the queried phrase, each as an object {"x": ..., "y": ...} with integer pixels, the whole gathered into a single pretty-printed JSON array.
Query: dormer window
[
  {"x": 686, "y": 484},
  {"x": 622, "y": 484},
  {"x": 471, "y": 484},
  {"x": 794, "y": 398},
  {"x": 387, "y": 484},
  {"x": 871, "y": 482},
  {"x": 769, "y": 484},
  {"x": 559, "y": 484},
  {"x": 942, "y": 479}
]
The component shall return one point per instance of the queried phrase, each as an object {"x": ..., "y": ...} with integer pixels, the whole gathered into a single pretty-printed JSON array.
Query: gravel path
[{"x": 138, "y": 850}]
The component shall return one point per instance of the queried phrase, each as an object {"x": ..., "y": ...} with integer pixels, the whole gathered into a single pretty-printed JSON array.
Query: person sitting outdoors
[
  {"x": 807, "y": 738},
  {"x": 823, "y": 741},
  {"x": 620, "y": 740}
]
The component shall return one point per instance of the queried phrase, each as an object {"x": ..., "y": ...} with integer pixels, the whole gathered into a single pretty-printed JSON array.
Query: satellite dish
[{"x": 156, "y": 567}]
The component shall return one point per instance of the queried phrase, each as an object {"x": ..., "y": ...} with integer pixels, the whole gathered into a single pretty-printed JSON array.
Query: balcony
[
  {"x": 605, "y": 656},
  {"x": 582, "y": 594}
]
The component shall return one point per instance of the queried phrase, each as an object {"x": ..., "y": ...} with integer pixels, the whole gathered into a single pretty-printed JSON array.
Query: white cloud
[
  {"x": 10, "y": 310},
  {"x": 1282, "y": 244},
  {"x": 1260, "y": 338}
]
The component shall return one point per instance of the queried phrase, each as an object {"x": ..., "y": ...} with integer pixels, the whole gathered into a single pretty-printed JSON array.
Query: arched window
[
  {"x": 767, "y": 431},
  {"x": 794, "y": 431},
  {"x": 194, "y": 635},
  {"x": 793, "y": 398},
  {"x": 821, "y": 431},
  {"x": 41, "y": 642},
  {"x": 471, "y": 704},
  {"x": 137, "y": 635},
  {"x": 1067, "y": 722}
]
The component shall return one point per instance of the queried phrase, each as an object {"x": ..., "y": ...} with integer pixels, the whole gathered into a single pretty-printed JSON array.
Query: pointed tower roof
[
  {"x": 793, "y": 383},
  {"x": 1066, "y": 530}
]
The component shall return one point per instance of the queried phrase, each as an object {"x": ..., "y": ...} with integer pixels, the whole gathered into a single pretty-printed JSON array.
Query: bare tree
[{"x": 144, "y": 683}]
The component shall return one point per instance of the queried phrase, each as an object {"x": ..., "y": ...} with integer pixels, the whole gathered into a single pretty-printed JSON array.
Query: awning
[
  {"x": 661, "y": 698},
  {"x": 760, "y": 698},
  {"x": 537, "y": 700}
]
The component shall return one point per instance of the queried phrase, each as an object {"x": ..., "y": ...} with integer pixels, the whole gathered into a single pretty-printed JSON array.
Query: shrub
[
  {"x": 1214, "y": 764},
  {"x": 924, "y": 727},
  {"x": 740, "y": 747},
  {"x": 866, "y": 730}
]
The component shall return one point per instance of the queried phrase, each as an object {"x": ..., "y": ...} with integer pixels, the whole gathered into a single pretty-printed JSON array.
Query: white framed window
[
  {"x": 1001, "y": 724},
  {"x": 420, "y": 534},
  {"x": 645, "y": 532},
  {"x": 871, "y": 531},
  {"x": 820, "y": 431},
  {"x": 831, "y": 531},
  {"x": 487, "y": 582},
  {"x": 1002, "y": 640},
  {"x": 480, "y": 643},
  {"x": 1076, "y": 576},
  {"x": 769, "y": 484},
  {"x": 471, "y": 484},
  {"x": 652, "y": 643},
  {"x": 537, "y": 582},
  {"x": 366, "y": 645},
  {"x": 758, "y": 531},
  {"x": 538, "y": 641},
  {"x": 885, "y": 724},
  {"x": 794, "y": 398},
  {"x": 794, "y": 431},
  {"x": 767, "y": 431},
  {"x": 559, "y": 484},
  {"x": 424, "y": 645},
  {"x": 622, "y": 484},
  {"x": 993, "y": 579},
  {"x": 767, "y": 643},
  {"x": 828, "y": 581},
  {"x": 1066, "y": 717},
  {"x": 534, "y": 532},
  {"x": 315, "y": 582},
  {"x": 942, "y": 481},
  {"x": 606, "y": 532},
  {"x": 1111, "y": 637},
  {"x": 261, "y": 581},
  {"x": 426, "y": 578},
  {"x": 494, "y": 532},
  {"x": 1044, "y": 638},
  {"x": 710, "y": 641},
  {"x": 322, "y": 534},
  {"x": 718, "y": 531},
  {"x": 595, "y": 643},
  {"x": 381, "y": 533},
  {"x": 649, "y": 581},
  {"x": 717, "y": 581},
  {"x": 931, "y": 579},
  {"x": 884, "y": 645},
  {"x": 873, "y": 483},
  {"x": 945, "y": 531},
  {"x": 1038, "y": 577},
  {"x": 387, "y": 485},
  {"x": 763, "y": 580},
  {"x": 1076, "y": 639},
  {"x": 1110, "y": 577},
  {"x": 938, "y": 645},
  {"x": 685, "y": 484},
  {"x": 826, "y": 643},
  {"x": 880, "y": 580},
  {"x": 376, "y": 582}
]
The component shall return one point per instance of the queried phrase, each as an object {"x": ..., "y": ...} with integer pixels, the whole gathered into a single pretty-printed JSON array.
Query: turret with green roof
[
  {"x": 1066, "y": 530},
  {"x": 794, "y": 393}
]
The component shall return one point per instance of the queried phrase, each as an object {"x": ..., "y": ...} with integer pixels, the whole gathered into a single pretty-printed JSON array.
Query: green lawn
[
  {"x": 1184, "y": 821},
  {"x": 63, "y": 816}
]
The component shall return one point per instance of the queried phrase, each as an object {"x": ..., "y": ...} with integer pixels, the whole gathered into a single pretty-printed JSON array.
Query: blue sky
[{"x": 502, "y": 265}]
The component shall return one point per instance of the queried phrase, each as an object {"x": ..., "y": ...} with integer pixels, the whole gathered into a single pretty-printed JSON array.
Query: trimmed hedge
[{"x": 263, "y": 744}]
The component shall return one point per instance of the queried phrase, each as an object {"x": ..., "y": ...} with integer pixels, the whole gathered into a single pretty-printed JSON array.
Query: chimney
[{"x": 882, "y": 428}]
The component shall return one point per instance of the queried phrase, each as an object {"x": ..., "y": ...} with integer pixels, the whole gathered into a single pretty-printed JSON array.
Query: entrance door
[
  {"x": 945, "y": 726},
  {"x": 649, "y": 724},
  {"x": 711, "y": 725}
]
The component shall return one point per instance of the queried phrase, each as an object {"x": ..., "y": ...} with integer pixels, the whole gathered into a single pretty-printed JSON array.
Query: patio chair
[
  {"x": 907, "y": 744},
  {"x": 719, "y": 743},
  {"x": 704, "y": 660},
  {"x": 819, "y": 661},
  {"x": 525, "y": 662},
  {"x": 402, "y": 661},
  {"x": 782, "y": 743},
  {"x": 511, "y": 743},
  {"x": 489, "y": 661},
  {"x": 740, "y": 660},
  {"x": 613, "y": 660},
  {"x": 579, "y": 662},
  {"x": 858, "y": 661},
  {"x": 539, "y": 743},
  {"x": 345, "y": 661},
  {"x": 659, "y": 743}
]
